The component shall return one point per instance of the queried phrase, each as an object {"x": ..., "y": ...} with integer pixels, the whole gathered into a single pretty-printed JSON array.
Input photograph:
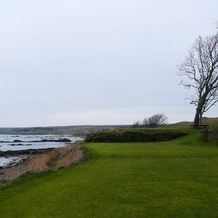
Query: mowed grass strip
[{"x": 164, "y": 179}]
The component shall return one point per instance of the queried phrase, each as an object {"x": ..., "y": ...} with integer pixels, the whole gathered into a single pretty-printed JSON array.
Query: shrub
[
  {"x": 136, "y": 125},
  {"x": 132, "y": 136},
  {"x": 210, "y": 135},
  {"x": 155, "y": 120}
]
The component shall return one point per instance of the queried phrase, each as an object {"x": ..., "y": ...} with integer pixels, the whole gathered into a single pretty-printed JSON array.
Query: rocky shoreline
[
  {"x": 41, "y": 160},
  {"x": 39, "y": 141},
  {"x": 24, "y": 152}
]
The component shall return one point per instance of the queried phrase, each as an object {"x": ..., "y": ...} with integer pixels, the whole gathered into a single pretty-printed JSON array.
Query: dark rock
[
  {"x": 17, "y": 141},
  {"x": 16, "y": 144},
  {"x": 23, "y": 152},
  {"x": 56, "y": 140}
]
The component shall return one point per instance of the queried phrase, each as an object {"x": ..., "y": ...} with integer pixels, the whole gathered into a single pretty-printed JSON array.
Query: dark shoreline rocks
[
  {"x": 25, "y": 152},
  {"x": 15, "y": 141},
  {"x": 53, "y": 140},
  {"x": 68, "y": 155},
  {"x": 39, "y": 141}
]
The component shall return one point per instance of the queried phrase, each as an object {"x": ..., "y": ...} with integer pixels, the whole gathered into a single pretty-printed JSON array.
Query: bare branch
[{"x": 200, "y": 68}]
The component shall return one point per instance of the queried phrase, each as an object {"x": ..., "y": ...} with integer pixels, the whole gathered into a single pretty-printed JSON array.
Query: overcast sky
[{"x": 70, "y": 62}]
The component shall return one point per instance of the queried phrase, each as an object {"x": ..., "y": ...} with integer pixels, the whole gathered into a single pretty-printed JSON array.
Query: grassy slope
[
  {"x": 211, "y": 121},
  {"x": 167, "y": 179}
]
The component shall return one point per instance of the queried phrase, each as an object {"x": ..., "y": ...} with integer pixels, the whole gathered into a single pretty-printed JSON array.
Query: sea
[{"x": 25, "y": 142}]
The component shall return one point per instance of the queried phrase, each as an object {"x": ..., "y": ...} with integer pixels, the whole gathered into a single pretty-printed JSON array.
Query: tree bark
[
  {"x": 198, "y": 115},
  {"x": 197, "y": 119}
]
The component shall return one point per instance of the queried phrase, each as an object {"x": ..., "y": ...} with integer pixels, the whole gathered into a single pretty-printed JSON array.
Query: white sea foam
[{"x": 4, "y": 161}]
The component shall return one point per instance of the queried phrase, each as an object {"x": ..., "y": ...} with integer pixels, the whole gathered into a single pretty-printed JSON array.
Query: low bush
[
  {"x": 210, "y": 135},
  {"x": 132, "y": 136}
]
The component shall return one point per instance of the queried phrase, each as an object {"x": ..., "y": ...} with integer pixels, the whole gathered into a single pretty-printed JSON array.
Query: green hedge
[{"x": 132, "y": 136}]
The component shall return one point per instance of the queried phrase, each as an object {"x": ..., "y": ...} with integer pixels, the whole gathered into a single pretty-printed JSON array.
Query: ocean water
[{"x": 25, "y": 142}]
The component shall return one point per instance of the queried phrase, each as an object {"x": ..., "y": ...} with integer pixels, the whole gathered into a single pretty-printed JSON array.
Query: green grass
[{"x": 165, "y": 179}]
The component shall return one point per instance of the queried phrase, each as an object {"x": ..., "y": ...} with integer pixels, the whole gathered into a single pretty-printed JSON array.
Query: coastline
[{"x": 40, "y": 161}]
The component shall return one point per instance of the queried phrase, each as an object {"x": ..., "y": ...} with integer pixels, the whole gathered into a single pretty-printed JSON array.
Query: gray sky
[{"x": 65, "y": 62}]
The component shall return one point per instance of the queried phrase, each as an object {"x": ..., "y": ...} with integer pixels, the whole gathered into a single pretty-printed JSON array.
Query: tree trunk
[
  {"x": 198, "y": 117},
  {"x": 196, "y": 120}
]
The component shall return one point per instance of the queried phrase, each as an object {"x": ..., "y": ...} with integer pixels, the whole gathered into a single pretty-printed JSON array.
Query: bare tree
[
  {"x": 201, "y": 72},
  {"x": 136, "y": 124},
  {"x": 155, "y": 120},
  {"x": 145, "y": 122}
]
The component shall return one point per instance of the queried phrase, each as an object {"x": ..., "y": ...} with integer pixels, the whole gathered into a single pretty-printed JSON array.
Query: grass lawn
[{"x": 163, "y": 179}]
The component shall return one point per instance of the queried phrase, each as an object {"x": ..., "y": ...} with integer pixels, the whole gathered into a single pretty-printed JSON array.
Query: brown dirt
[{"x": 58, "y": 158}]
